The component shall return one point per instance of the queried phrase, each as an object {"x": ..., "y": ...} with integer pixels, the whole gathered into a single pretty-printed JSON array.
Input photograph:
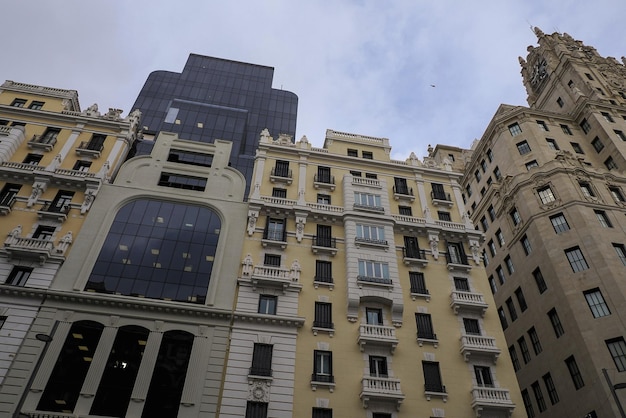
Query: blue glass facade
[{"x": 215, "y": 98}]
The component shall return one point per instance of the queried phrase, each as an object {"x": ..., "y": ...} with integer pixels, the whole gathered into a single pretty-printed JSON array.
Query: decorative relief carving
[
  {"x": 259, "y": 390},
  {"x": 253, "y": 215}
]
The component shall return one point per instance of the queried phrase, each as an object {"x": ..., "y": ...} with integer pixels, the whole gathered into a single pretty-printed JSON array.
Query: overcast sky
[{"x": 359, "y": 66}]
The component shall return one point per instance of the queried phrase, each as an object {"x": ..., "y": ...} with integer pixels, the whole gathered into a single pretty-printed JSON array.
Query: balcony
[
  {"x": 374, "y": 281},
  {"x": 419, "y": 292},
  {"x": 435, "y": 391},
  {"x": 54, "y": 213},
  {"x": 404, "y": 193},
  {"x": 479, "y": 346},
  {"x": 324, "y": 182},
  {"x": 320, "y": 326},
  {"x": 413, "y": 256},
  {"x": 368, "y": 208},
  {"x": 270, "y": 276},
  {"x": 323, "y": 281},
  {"x": 324, "y": 380},
  {"x": 441, "y": 199},
  {"x": 42, "y": 142},
  {"x": 274, "y": 238},
  {"x": 377, "y": 335},
  {"x": 6, "y": 203},
  {"x": 280, "y": 175},
  {"x": 468, "y": 302},
  {"x": 494, "y": 402},
  {"x": 90, "y": 149},
  {"x": 457, "y": 262},
  {"x": 324, "y": 245},
  {"x": 31, "y": 249},
  {"x": 366, "y": 182},
  {"x": 378, "y": 389},
  {"x": 368, "y": 242}
]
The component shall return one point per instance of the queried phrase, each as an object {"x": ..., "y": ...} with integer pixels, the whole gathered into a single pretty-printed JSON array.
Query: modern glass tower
[{"x": 214, "y": 98}]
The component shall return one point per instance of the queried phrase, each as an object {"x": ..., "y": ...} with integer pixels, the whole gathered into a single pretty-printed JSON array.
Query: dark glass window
[
  {"x": 191, "y": 158},
  {"x": 541, "y": 283},
  {"x": 18, "y": 102},
  {"x": 19, "y": 276},
  {"x": 556, "y": 322},
  {"x": 275, "y": 230},
  {"x": 617, "y": 348},
  {"x": 483, "y": 376},
  {"x": 577, "y": 148},
  {"x": 323, "y": 175},
  {"x": 574, "y": 372},
  {"x": 322, "y": 413},
  {"x": 182, "y": 181},
  {"x": 521, "y": 300},
  {"x": 523, "y": 147},
  {"x": 323, "y": 366},
  {"x": 552, "y": 144},
  {"x": 401, "y": 186},
  {"x": 461, "y": 284},
  {"x": 576, "y": 259},
  {"x": 61, "y": 202},
  {"x": 597, "y": 144},
  {"x": 353, "y": 152},
  {"x": 585, "y": 126},
  {"x": 44, "y": 232},
  {"x": 541, "y": 403},
  {"x": 552, "y": 393},
  {"x": 502, "y": 317},
  {"x": 432, "y": 377},
  {"x": 36, "y": 105},
  {"x": 439, "y": 193},
  {"x": 528, "y": 404},
  {"x": 515, "y": 129},
  {"x": 514, "y": 358},
  {"x": 159, "y": 250},
  {"x": 323, "y": 199},
  {"x": 444, "y": 216},
  {"x": 32, "y": 159},
  {"x": 324, "y": 236},
  {"x": 271, "y": 260},
  {"x": 368, "y": 155},
  {"x": 280, "y": 193},
  {"x": 511, "y": 308},
  {"x": 534, "y": 340},
  {"x": 524, "y": 349},
  {"x": 559, "y": 223},
  {"x": 378, "y": 366},
  {"x": 323, "y": 271},
  {"x": 596, "y": 303},
  {"x": 405, "y": 210},
  {"x": 374, "y": 316},
  {"x": 82, "y": 165},
  {"x": 8, "y": 194},
  {"x": 281, "y": 169},
  {"x": 261, "y": 360},
  {"x": 471, "y": 326},
  {"x": 256, "y": 409}
]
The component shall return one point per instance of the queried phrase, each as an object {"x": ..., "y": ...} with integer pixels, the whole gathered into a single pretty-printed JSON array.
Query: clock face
[{"x": 539, "y": 72}]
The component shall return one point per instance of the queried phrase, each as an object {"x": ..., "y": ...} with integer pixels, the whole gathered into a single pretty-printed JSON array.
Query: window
[
  {"x": 521, "y": 300},
  {"x": 275, "y": 230},
  {"x": 492, "y": 213},
  {"x": 528, "y": 404},
  {"x": 526, "y": 245},
  {"x": 511, "y": 308},
  {"x": 370, "y": 233},
  {"x": 620, "y": 134},
  {"x": 497, "y": 174},
  {"x": 585, "y": 126},
  {"x": 468, "y": 189},
  {"x": 383, "y": 415},
  {"x": 432, "y": 377},
  {"x": 190, "y": 158},
  {"x": 556, "y": 322},
  {"x": 371, "y": 176},
  {"x": 576, "y": 147},
  {"x": 323, "y": 175},
  {"x": 324, "y": 237},
  {"x": 19, "y": 275},
  {"x": 181, "y": 181},
  {"x": 492, "y": 248},
  {"x": 32, "y": 159},
  {"x": 444, "y": 216},
  {"x": 515, "y": 129},
  {"x": 8, "y": 194},
  {"x": 368, "y": 200},
  {"x": 483, "y": 222},
  {"x": 566, "y": 130},
  {"x": 500, "y": 274},
  {"x": 524, "y": 349},
  {"x": 607, "y": 116},
  {"x": 96, "y": 143},
  {"x": 323, "y": 271},
  {"x": 531, "y": 164},
  {"x": 378, "y": 366},
  {"x": 502, "y": 317},
  {"x": 323, "y": 199},
  {"x": 271, "y": 260},
  {"x": 515, "y": 216},
  {"x": 597, "y": 144},
  {"x": 514, "y": 358},
  {"x": 322, "y": 413},
  {"x": 483, "y": 165},
  {"x": 559, "y": 223},
  {"x": 576, "y": 259},
  {"x": 586, "y": 189},
  {"x": 560, "y": 102},
  {"x": 281, "y": 169},
  {"x": 539, "y": 280},
  {"x": 500, "y": 237},
  {"x": 534, "y": 340},
  {"x": 82, "y": 165},
  {"x": 44, "y": 232},
  {"x": 492, "y": 285},
  {"x": 610, "y": 164},
  {"x": 461, "y": 284},
  {"x": 374, "y": 316},
  {"x": 400, "y": 186},
  {"x": 323, "y": 366},
  {"x": 483, "y": 376},
  {"x": 425, "y": 326},
  {"x": 546, "y": 195},
  {"x": 18, "y": 102},
  {"x": 477, "y": 175},
  {"x": 61, "y": 202},
  {"x": 616, "y": 192},
  {"x": 523, "y": 147},
  {"x": 621, "y": 252},
  {"x": 323, "y": 315},
  {"x": 485, "y": 258},
  {"x": 542, "y": 125},
  {"x": 418, "y": 283},
  {"x": 256, "y": 409},
  {"x": 541, "y": 403},
  {"x": 552, "y": 144},
  {"x": 353, "y": 152},
  {"x": 471, "y": 326},
  {"x": 596, "y": 303},
  {"x": 574, "y": 372},
  {"x": 368, "y": 155},
  {"x": 617, "y": 348},
  {"x": 261, "y": 360},
  {"x": 439, "y": 193},
  {"x": 280, "y": 193},
  {"x": 267, "y": 304},
  {"x": 456, "y": 253},
  {"x": 355, "y": 173},
  {"x": 603, "y": 219},
  {"x": 374, "y": 271},
  {"x": 405, "y": 210}
]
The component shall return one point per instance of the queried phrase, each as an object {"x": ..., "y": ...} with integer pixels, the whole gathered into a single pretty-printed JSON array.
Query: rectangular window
[
  {"x": 514, "y": 358},
  {"x": 368, "y": 155},
  {"x": 261, "y": 360},
  {"x": 355, "y": 173},
  {"x": 574, "y": 372},
  {"x": 323, "y": 175},
  {"x": 323, "y": 366},
  {"x": 492, "y": 248},
  {"x": 559, "y": 223},
  {"x": 610, "y": 164},
  {"x": 515, "y": 129},
  {"x": 607, "y": 116},
  {"x": 418, "y": 283},
  {"x": 374, "y": 316},
  {"x": 405, "y": 210},
  {"x": 19, "y": 276},
  {"x": 374, "y": 271},
  {"x": 468, "y": 189},
  {"x": 596, "y": 303},
  {"x": 576, "y": 259},
  {"x": 523, "y": 147},
  {"x": 378, "y": 366},
  {"x": 280, "y": 193},
  {"x": 281, "y": 169},
  {"x": 82, "y": 165},
  {"x": 425, "y": 326},
  {"x": 502, "y": 317},
  {"x": 324, "y": 237},
  {"x": 597, "y": 144},
  {"x": 541, "y": 283},
  {"x": 541, "y": 403},
  {"x": 528, "y": 404},
  {"x": 471, "y": 326},
  {"x": 172, "y": 114},
  {"x": 271, "y": 260},
  {"x": 8, "y": 194},
  {"x": 490, "y": 155},
  {"x": 322, "y": 413},
  {"x": 531, "y": 164},
  {"x": 275, "y": 230},
  {"x": 323, "y": 199},
  {"x": 546, "y": 195},
  {"x": 492, "y": 213},
  {"x": 585, "y": 126},
  {"x": 461, "y": 284},
  {"x": 370, "y": 233},
  {"x": 368, "y": 200},
  {"x": 566, "y": 130},
  {"x": 542, "y": 125},
  {"x": 526, "y": 245},
  {"x": 620, "y": 134},
  {"x": 256, "y": 409},
  {"x": 477, "y": 175},
  {"x": 511, "y": 308},
  {"x": 500, "y": 237},
  {"x": 524, "y": 349},
  {"x": 552, "y": 393},
  {"x": 485, "y": 258},
  {"x": 556, "y": 322},
  {"x": 438, "y": 192},
  {"x": 444, "y": 216},
  {"x": 400, "y": 186},
  {"x": 18, "y": 102},
  {"x": 483, "y": 376},
  {"x": 432, "y": 377},
  {"x": 492, "y": 285},
  {"x": 617, "y": 348},
  {"x": 500, "y": 274},
  {"x": 32, "y": 159},
  {"x": 621, "y": 252},
  {"x": 44, "y": 232},
  {"x": 603, "y": 219},
  {"x": 323, "y": 315},
  {"x": 371, "y": 176},
  {"x": 267, "y": 304},
  {"x": 483, "y": 165},
  {"x": 515, "y": 216},
  {"x": 534, "y": 340},
  {"x": 353, "y": 152},
  {"x": 323, "y": 271},
  {"x": 190, "y": 158},
  {"x": 577, "y": 148},
  {"x": 181, "y": 181},
  {"x": 560, "y": 102},
  {"x": 497, "y": 174},
  {"x": 521, "y": 300},
  {"x": 616, "y": 192},
  {"x": 586, "y": 189},
  {"x": 552, "y": 144}
]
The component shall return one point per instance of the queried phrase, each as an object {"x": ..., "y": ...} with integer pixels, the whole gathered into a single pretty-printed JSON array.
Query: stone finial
[
  {"x": 304, "y": 139},
  {"x": 265, "y": 136},
  {"x": 538, "y": 32},
  {"x": 522, "y": 61}
]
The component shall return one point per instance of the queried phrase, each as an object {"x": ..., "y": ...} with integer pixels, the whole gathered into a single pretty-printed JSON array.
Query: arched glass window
[
  {"x": 168, "y": 379},
  {"x": 118, "y": 379},
  {"x": 68, "y": 375},
  {"x": 160, "y": 250}
]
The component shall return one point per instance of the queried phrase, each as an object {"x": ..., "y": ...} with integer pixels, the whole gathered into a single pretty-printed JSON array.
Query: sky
[{"x": 414, "y": 71}]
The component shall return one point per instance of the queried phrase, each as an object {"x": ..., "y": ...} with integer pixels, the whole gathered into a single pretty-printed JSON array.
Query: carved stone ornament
[
  {"x": 434, "y": 245},
  {"x": 253, "y": 215},
  {"x": 475, "y": 247},
  {"x": 300, "y": 221},
  {"x": 259, "y": 391}
]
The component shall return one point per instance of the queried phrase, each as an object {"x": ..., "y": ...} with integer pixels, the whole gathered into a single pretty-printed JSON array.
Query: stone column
[{"x": 196, "y": 370}]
